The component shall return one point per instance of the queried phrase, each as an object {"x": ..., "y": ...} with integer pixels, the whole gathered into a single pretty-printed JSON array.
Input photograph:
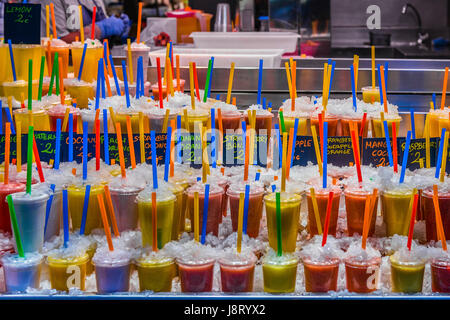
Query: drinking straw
[
  {"x": 106, "y": 227},
  {"x": 373, "y": 65},
  {"x": 165, "y": 121},
  {"x": 379, "y": 84},
  {"x": 294, "y": 140},
  {"x": 388, "y": 143},
  {"x": 18, "y": 145},
  {"x": 444, "y": 157},
  {"x": 141, "y": 136},
  {"x": 7, "y": 149},
  {"x": 52, "y": 10},
  {"x": 210, "y": 78},
  {"x": 290, "y": 152},
  {"x": 327, "y": 218},
  {"x": 260, "y": 72},
  {"x": 283, "y": 129},
  {"x": 130, "y": 61},
  {"x": 196, "y": 216},
  {"x": 441, "y": 150},
  {"x": 278, "y": 213},
  {"x": 169, "y": 79},
  {"x": 10, "y": 120},
  {"x": 15, "y": 226},
  {"x": 120, "y": 147},
  {"x": 197, "y": 92},
  {"x": 433, "y": 97},
  {"x": 125, "y": 81},
  {"x": 85, "y": 149},
  {"x": 57, "y": 73},
  {"x": 352, "y": 77},
  {"x": 105, "y": 136},
  {"x": 11, "y": 57},
  {"x": 394, "y": 147},
  {"x": 65, "y": 217},
  {"x": 41, "y": 78},
  {"x": 444, "y": 88},
  {"x": 213, "y": 138},
  {"x": 53, "y": 76},
  {"x": 29, "y": 159},
  {"x": 48, "y": 207},
  {"x": 438, "y": 218},
  {"x": 113, "y": 69},
  {"x": 283, "y": 163},
  {"x": 412, "y": 221},
  {"x": 230, "y": 83},
  {"x": 205, "y": 213},
  {"x": 58, "y": 143},
  {"x": 280, "y": 146},
  {"x": 167, "y": 155},
  {"x": 366, "y": 221},
  {"x": 97, "y": 143},
  {"x": 383, "y": 87},
  {"x": 87, "y": 193},
  {"x": 427, "y": 142},
  {"x": 94, "y": 13},
  {"x": 246, "y": 157},
  {"x": 186, "y": 119},
  {"x": 208, "y": 75},
  {"x": 240, "y": 222},
  {"x": 320, "y": 117},
  {"x": 324, "y": 84},
  {"x": 153, "y": 146},
  {"x": 413, "y": 126},
  {"x": 38, "y": 161},
  {"x": 331, "y": 74},
  {"x": 138, "y": 37},
  {"x": 30, "y": 83},
  {"x": 294, "y": 86},
  {"x": 80, "y": 71},
  {"x": 356, "y": 156},
  {"x": 316, "y": 149},
  {"x": 363, "y": 124},
  {"x": 47, "y": 21},
  {"x": 356, "y": 65},
  {"x": 130, "y": 143},
  {"x": 325, "y": 153},
  {"x": 246, "y": 205},
  {"x": 80, "y": 14},
  {"x": 111, "y": 211},
  {"x": 405, "y": 157},
  {"x": 158, "y": 68}
]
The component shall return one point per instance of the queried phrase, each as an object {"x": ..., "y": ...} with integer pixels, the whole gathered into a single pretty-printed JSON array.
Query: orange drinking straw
[
  {"x": 141, "y": 136},
  {"x": 154, "y": 222},
  {"x": 61, "y": 82},
  {"x": 80, "y": 14},
  {"x": 437, "y": 210},
  {"x": 373, "y": 66},
  {"x": 366, "y": 222},
  {"x": 52, "y": 10},
  {"x": 108, "y": 85},
  {"x": 288, "y": 162},
  {"x": 47, "y": 22},
  {"x": 356, "y": 155},
  {"x": 247, "y": 142},
  {"x": 444, "y": 88},
  {"x": 130, "y": 143},
  {"x": 394, "y": 147},
  {"x": 194, "y": 69},
  {"x": 138, "y": 37},
  {"x": 7, "y": 147},
  {"x": 120, "y": 147},
  {"x": 178, "y": 72},
  {"x": 383, "y": 87},
  {"x": 111, "y": 211},
  {"x": 101, "y": 205}
]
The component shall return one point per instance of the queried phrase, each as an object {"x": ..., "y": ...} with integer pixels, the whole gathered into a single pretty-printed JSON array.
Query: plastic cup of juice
[
  {"x": 255, "y": 207},
  {"x": 63, "y": 49},
  {"x": 155, "y": 273},
  {"x": 322, "y": 203},
  {"x": 181, "y": 201},
  {"x": 121, "y": 117},
  {"x": 378, "y": 126},
  {"x": 289, "y": 122},
  {"x": 333, "y": 122},
  {"x": 94, "y": 52},
  {"x": 430, "y": 218},
  {"x": 290, "y": 214},
  {"x": 30, "y": 211},
  {"x": 321, "y": 275},
  {"x": 370, "y": 95},
  {"x": 156, "y": 118},
  {"x": 196, "y": 275},
  {"x": 395, "y": 210},
  {"x": 5, "y": 67},
  {"x": 263, "y": 121},
  {"x": 6, "y": 189},
  {"x": 407, "y": 276},
  {"x": 88, "y": 115},
  {"x": 362, "y": 274},
  {"x": 76, "y": 196},
  {"x": 165, "y": 205},
  {"x": 23, "y": 53},
  {"x": 440, "y": 274},
  {"x": 195, "y": 116},
  {"x": 345, "y": 125},
  {"x": 231, "y": 120},
  {"x": 19, "y": 88},
  {"x": 434, "y": 119},
  {"x": 81, "y": 91},
  {"x": 179, "y": 209},
  {"x": 67, "y": 272},
  {"x": 138, "y": 50},
  {"x": 355, "y": 203},
  {"x": 125, "y": 205},
  {"x": 237, "y": 273},
  {"x": 214, "y": 206},
  {"x": 55, "y": 215},
  {"x": 279, "y": 273},
  {"x": 22, "y": 272},
  {"x": 39, "y": 117},
  {"x": 58, "y": 112},
  {"x": 112, "y": 271},
  {"x": 164, "y": 89}
]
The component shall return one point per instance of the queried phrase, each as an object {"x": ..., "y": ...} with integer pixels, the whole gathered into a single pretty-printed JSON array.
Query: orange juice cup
[
  {"x": 333, "y": 122},
  {"x": 322, "y": 202},
  {"x": 355, "y": 203},
  {"x": 345, "y": 125}
]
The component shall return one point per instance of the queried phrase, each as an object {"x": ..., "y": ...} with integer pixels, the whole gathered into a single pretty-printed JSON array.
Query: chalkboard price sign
[{"x": 22, "y": 23}]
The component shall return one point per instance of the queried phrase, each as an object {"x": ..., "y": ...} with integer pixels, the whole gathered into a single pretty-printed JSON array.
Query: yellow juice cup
[
  {"x": 121, "y": 117},
  {"x": 378, "y": 126},
  {"x": 279, "y": 274},
  {"x": 66, "y": 273},
  {"x": 76, "y": 200},
  {"x": 289, "y": 122},
  {"x": 156, "y": 274},
  {"x": 18, "y": 88},
  {"x": 5, "y": 67},
  {"x": 444, "y": 122},
  {"x": 94, "y": 52},
  {"x": 183, "y": 184},
  {"x": 81, "y": 91},
  {"x": 290, "y": 213},
  {"x": 395, "y": 206},
  {"x": 39, "y": 117},
  {"x": 370, "y": 95},
  {"x": 179, "y": 210},
  {"x": 194, "y": 117},
  {"x": 23, "y": 53}
]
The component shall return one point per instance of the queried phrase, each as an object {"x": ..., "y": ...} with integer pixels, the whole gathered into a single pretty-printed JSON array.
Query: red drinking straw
[
  {"x": 38, "y": 160},
  {"x": 94, "y": 12},
  {"x": 320, "y": 116},
  {"x": 394, "y": 147},
  {"x": 327, "y": 218},
  {"x": 197, "y": 92},
  {"x": 158, "y": 67},
  {"x": 97, "y": 144},
  {"x": 356, "y": 156},
  {"x": 413, "y": 220},
  {"x": 363, "y": 124}
]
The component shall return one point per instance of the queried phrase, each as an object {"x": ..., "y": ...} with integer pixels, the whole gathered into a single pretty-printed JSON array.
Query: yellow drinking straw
[
  {"x": 186, "y": 119},
  {"x": 66, "y": 119},
  {"x": 230, "y": 83},
  {"x": 47, "y": 21},
  {"x": 196, "y": 216},
  {"x": 316, "y": 210},
  {"x": 444, "y": 158},
  {"x": 240, "y": 222},
  {"x": 324, "y": 84},
  {"x": 251, "y": 146},
  {"x": 19, "y": 145},
  {"x": 113, "y": 117},
  {"x": 317, "y": 149},
  {"x": 166, "y": 66},
  {"x": 165, "y": 121},
  {"x": 427, "y": 142},
  {"x": 141, "y": 136},
  {"x": 81, "y": 24},
  {"x": 288, "y": 78},
  {"x": 373, "y": 66},
  {"x": 169, "y": 78},
  {"x": 283, "y": 163},
  {"x": 130, "y": 62},
  {"x": 191, "y": 85}
]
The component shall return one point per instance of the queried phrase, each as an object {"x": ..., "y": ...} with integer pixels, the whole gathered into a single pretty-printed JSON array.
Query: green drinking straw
[
  {"x": 29, "y": 159},
  {"x": 208, "y": 76},
  {"x": 283, "y": 128},
  {"x": 278, "y": 208},
  {"x": 52, "y": 79},
  {"x": 30, "y": 84},
  {"x": 41, "y": 78},
  {"x": 15, "y": 225},
  {"x": 57, "y": 73}
]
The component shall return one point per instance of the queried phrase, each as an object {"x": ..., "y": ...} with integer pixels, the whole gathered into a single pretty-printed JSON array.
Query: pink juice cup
[
  {"x": 58, "y": 112},
  {"x": 237, "y": 273},
  {"x": 196, "y": 276},
  {"x": 138, "y": 50},
  {"x": 5, "y": 190}
]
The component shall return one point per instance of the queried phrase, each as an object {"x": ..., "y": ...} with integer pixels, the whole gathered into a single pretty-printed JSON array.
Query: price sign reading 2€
[{"x": 22, "y": 23}]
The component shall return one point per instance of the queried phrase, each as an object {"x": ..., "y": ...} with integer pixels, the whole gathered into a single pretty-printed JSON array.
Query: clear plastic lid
[
  {"x": 200, "y": 188},
  {"x": 34, "y": 196},
  {"x": 107, "y": 258},
  {"x": 234, "y": 259},
  {"x": 91, "y": 43},
  {"x": 30, "y": 259},
  {"x": 284, "y": 197},
  {"x": 260, "y": 111},
  {"x": 415, "y": 256},
  {"x": 256, "y": 187},
  {"x": 162, "y": 195},
  {"x": 286, "y": 259},
  {"x": 61, "y": 110}
]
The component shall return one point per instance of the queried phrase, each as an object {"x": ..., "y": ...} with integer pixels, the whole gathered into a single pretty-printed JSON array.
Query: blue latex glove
[
  {"x": 127, "y": 24},
  {"x": 111, "y": 26}
]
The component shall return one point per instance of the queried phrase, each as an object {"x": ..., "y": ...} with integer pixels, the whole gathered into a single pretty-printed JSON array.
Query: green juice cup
[
  {"x": 155, "y": 273},
  {"x": 407, "y": 276},
  {"x": 280, "y": 273}
]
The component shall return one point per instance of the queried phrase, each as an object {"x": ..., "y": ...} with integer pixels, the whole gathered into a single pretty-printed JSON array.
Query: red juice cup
[
  {"x": 237, "y": 274},
  {"x": 362, "y": 275},
  {"x": 429, "y": 214},
  {"x": 321, "y": 276},
  {"x": 214, "y": 206},
  {"x": 196, "y": 276},
  {"x": 355, "y": 203},
  {"x": 264, "y": 119},
  {"x": 440, "y": 274},
  {"x": 58, "y": 112},
  {"x": 231, "y": 120},
  {"x": 322, "y": 202},
  {"x": 333, "y": 122},
  {"x": 6, "y": 189},
  {"x": 255, "y": 207}
]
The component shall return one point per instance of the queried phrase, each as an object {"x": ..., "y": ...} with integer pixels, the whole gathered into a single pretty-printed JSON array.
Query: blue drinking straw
[
  {"x": 70, "y": 137},
  {"x": 105, "y": 135},
  {"x": 80, "y": 71},
  {"x": 97, "y": 91},
  {"x": 87, "y": 193},
  {"x": 294, "y": 140},
  {"x": 218, "y": 96},
  {"x": 116, "y": 81},
  {"x": 441, "y": 151},
  {"x": 280, "y": 146},
  {"x": 179, "y": 139},
  {"x": 85, "y": 149},
  {"x": 258, "y": 101},
  {"x": 155, "y": 176},
  {"x": 58, "y": 144},
  {"x": 213, "y": 138},
  {"x": 274, "y": 187},
  {"x": 1, "y": 117},
  {"x": 167, "y": 156},
  {"x": 48, "y": 208},
  {"x": 210, "y": 77},
  {"x": 10, "y": 120},
  {"x": 244, "y": 141},
  {"x": 269, "y": 105},
  {"x": 125, "y": 81},
  {"x": 388, "y": 143},
  {"x": 333, "y": 65},
  {"x": 246, "y": 202},
  {"x": 264, "y": 103},
  {"x": 138, "y": 82},
  {"x": 433, "y": 97},
  {"x": 102, "y": 82},
  {"x": 257, "y": 176},
  {"x": 65, "y": 218},
  {"x": 105, "y": 51},
  {"x": 205, "y": 213},
  {"x": 379, "y": 84},
  {"x": 352, "y": 77},
  {"x": 405, "y": 157},
  {"x": 11, "y": 55},
  {"x": 413, "y": 126},
  {"x": 325, "y": 153}
]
